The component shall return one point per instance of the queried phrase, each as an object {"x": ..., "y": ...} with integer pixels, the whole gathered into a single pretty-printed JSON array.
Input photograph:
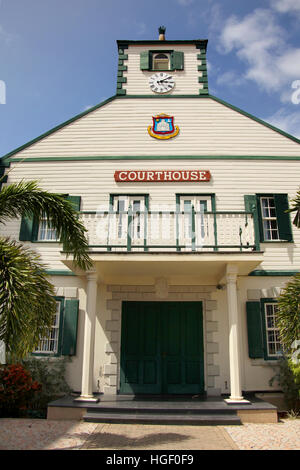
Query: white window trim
[
  {"x": 274, "y": 329},
  {"x": 45, "y": 343},
  {"x": 269, "y": 219}
]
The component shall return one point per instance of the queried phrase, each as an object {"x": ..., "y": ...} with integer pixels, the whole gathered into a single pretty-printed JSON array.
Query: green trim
[
  {"x": 262, "y": 272},
  {"x": 198, "y": 42},
  {"x": 260, "y": 121},
  {"x": 121, "y": 68},
  {"x": 250, "y": 202},
  {"x": 161, "y": 96},
  {"x": 254, "y": 330},
  {"x": 56, "y": 128},
  {"x": 59, "y": 272},
  {"x": 155, "y": 157}
]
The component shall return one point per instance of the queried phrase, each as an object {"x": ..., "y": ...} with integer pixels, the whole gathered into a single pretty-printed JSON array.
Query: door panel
[{"x": 162, "y": 348}]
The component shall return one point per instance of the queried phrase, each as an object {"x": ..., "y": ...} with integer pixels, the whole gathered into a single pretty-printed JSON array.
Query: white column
[
  {"x": 234, "y": 335},
  {"x": 89, "y": 339}
]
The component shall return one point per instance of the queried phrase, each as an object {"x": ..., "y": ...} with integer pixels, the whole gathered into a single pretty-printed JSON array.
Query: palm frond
[
  {"x": 27, "y": 302},
  {"x": 296, "y": 208},
  {"x": 26, "y": 199}
]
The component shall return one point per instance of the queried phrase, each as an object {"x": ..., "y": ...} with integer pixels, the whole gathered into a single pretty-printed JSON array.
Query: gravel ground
[
  {"x": 40, "y": 434},
  {"x": 284, "y": 435}
]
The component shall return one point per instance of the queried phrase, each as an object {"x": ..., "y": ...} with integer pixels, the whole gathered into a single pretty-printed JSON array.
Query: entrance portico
[{"x": 201, "y": 273}]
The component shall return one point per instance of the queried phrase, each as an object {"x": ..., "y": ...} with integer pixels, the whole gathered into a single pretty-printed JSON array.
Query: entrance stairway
[{"x": 149, "y": 410}]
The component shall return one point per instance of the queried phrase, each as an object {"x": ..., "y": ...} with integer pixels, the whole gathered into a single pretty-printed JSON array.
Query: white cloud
[
  {"x": 286, "y": 6},
  {"x": 230, "y": 79},
  {"x": 286, "y": 121},
  {"x": 261, "y": 43}
]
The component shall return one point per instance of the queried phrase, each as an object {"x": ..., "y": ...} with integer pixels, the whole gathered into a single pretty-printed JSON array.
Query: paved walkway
[{"x": 28, "y": 434}]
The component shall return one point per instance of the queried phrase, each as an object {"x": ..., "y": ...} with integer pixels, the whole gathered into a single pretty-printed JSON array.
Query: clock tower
[{"x": 160, "y": 67}]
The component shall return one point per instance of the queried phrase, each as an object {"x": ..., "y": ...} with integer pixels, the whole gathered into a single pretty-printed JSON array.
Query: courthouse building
[{"x": 184, "y": 198}]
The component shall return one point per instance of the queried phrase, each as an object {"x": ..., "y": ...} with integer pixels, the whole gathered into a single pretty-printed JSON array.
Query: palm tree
[
  {"x": 27, "y": 302},
  {"x": 296, "y": 208},
  {"x": 288, "y": 315}
]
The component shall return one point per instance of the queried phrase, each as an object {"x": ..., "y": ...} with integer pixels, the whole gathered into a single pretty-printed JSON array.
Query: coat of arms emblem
[{"x": 163, "y": 127}]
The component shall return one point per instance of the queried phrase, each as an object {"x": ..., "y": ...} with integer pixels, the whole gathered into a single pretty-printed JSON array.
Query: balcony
[{"x": 169, "y": 231}]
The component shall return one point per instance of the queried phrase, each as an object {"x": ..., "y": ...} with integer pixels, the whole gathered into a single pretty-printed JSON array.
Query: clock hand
[{"x": 163, "y": 80}]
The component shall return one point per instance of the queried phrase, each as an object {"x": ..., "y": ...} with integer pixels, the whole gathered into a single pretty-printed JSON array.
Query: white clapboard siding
[
  {"x": 186, "y": 81},
  {"x": 120, "y": 127},
  {"x": 230, "y": 181}
]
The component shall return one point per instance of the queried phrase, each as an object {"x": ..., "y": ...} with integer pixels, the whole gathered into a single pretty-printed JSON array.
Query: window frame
[
  {"x": 268, "y": 219},
  {"x": 153, "y": 59},
  {"x": 180, "y": 197},
  {"x": 113, "y": 197},
  {"x": 168, "y": 52},
  {"x": 60, "y": 329},
  {"x": 263, "y": 303},
  {"x": 261, "y": 196},
  {"x": 38, "y": 239}
]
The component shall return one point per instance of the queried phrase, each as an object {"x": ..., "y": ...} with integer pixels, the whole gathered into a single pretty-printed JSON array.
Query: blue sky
[{"x": 58, "y": 57}]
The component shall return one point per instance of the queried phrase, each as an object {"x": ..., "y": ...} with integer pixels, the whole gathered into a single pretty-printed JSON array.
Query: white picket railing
[{"x": 169, "y": 231}]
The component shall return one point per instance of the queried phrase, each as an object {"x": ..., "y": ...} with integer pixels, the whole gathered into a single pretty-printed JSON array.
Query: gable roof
[{"x": 5, "y": 159}]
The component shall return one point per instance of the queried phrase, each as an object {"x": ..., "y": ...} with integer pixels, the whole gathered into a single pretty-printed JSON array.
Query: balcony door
[
  {"x": 194, "y": 224},
  {"x": 127, "y": 222}
]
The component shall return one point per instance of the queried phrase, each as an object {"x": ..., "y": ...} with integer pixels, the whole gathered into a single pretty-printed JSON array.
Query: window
[
  {"x": 31, "y": 230},
  {"x": 272, "y": 332},
  {"x": 49, "y": 344},
  {"x": 272, "y": 221},
  {"x": 62, "y": 337},
  {"x": 197, "y": 220},
  {"x": 46, "y": 231},
  {"x": 127, "y": 220},
  {"x": 161, "y": 62},
  {"x": 269, "y": 218},
  {"x": 263, "y": 334}
]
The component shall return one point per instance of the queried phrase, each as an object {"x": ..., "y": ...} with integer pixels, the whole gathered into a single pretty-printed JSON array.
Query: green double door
[{"x": 162, "y": 348}]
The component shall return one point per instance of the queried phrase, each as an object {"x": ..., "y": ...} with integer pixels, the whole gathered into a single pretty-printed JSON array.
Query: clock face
[{"x": 161, "y": 82}]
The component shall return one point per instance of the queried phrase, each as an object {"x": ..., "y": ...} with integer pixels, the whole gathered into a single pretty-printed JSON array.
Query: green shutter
[
  {"x": 69, "y": 335},
  {"x": 145, "y": 60},
  {"x": 255, "y": 338},
  {"x": 250, "y": 201},
  {"x": 177, "y": 60},
  {"x": 28, "y": 229},
  {"x": 283, "y": 219},
  {"x": 75, "y": 200}
]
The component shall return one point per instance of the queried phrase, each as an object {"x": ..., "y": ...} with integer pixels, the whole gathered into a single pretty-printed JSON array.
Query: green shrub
[{"x": 288, "y": 377}]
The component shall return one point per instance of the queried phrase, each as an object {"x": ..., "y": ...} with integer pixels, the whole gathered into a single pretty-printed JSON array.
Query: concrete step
[
  {"x": 162, "y": 418},
  {"x": 171, "y": 409}
]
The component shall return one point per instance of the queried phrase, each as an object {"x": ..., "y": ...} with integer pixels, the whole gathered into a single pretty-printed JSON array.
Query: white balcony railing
[{"x": 169, "y": 231}]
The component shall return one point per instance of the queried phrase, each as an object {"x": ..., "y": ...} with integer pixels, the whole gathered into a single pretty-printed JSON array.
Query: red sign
[{"x": 179, "y": 176}]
